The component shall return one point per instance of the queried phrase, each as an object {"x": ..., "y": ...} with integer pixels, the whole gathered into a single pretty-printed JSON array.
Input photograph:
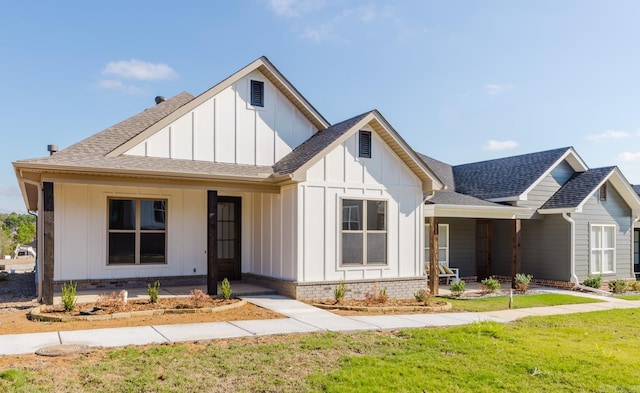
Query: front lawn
[
  {"x": 628, "y": 297},
  {"x": 519, "y": 301},
  {"x": 587, "y": 352}
]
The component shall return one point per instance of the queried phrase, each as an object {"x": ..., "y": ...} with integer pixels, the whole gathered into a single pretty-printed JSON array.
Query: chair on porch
[{"x": 445, "y": 272}]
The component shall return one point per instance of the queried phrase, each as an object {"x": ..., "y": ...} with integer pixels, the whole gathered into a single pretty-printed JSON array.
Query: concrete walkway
[{"x": 300, "y": 318}]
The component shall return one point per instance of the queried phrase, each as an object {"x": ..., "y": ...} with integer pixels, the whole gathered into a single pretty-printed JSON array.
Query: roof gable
[
  {"x": 575, "y": 193},
  {"x": 511, "y": 178},
  {"x": 295, "y": 164},
  {"x": 265, "y": 67}
]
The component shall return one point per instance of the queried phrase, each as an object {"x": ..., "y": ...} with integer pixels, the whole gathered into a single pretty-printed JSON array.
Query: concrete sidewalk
[{"x": 301, "y": 318}]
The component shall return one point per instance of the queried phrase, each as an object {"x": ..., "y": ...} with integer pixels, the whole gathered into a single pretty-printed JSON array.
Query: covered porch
[{"x": 480, "y": 241}]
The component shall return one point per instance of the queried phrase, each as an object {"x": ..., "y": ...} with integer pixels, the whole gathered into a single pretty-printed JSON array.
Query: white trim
[
  {"x": 466, "y": 211},
  {"x": 602, "y": 249}
]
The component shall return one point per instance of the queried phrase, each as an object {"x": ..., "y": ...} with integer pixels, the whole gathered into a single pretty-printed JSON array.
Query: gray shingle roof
[
  {"x": 637, "y": 188},
  {"x": 455, "y": 198},
  {"x": 91, "y": 152},
  {"x": 442, "y": 170},
  {"x": 314, "y": 145},
  {"x": 578, "y": 188},
  {"x": 108, "y": 139},
  {"x": 504, "y": 177}
]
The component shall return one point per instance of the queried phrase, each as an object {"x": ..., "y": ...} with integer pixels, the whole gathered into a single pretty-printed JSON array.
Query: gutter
[{"x": 572, "y": 251}]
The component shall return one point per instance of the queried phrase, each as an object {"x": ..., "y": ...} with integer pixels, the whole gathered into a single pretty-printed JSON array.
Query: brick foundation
[
  {"x": 118, "y": 283},
  {"x": 397, "y": 288},
  {"x": 540, "y": 282}
]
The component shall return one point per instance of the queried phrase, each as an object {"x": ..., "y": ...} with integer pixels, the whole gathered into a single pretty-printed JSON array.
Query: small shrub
[
  {"x": 422, "y": 296},
  {"x": 457, "y": 287},
  {"x": 339, "y": 292},
  {"x": 593, "y": 281},
  {"x": 522, "y": 282},
  {"x": 635, "y": 286},
  {"x": 152, "y": 291},
  {"x": 376, "y": 296},
  {"x": 114, "y": 301},
  {"x": 490, "y": 284},
  {"x": 618, "y": 286},
  {"x": 69, "y": 295},
  {"x": 198, "y": 298},
  {"x": 225, "y": 287}
]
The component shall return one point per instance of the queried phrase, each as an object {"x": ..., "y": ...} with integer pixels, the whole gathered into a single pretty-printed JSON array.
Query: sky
[{"x": 461, "y": 81}]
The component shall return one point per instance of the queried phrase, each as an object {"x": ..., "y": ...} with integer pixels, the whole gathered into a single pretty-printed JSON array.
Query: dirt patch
[
  {"x": 389, "y": 307},
  {"x": 17, "y": 295}
]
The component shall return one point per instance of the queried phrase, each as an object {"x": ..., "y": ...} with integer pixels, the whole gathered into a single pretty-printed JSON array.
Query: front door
[
  {"x": 483, "y": 249},
  {"x": 224, "y": 240}
]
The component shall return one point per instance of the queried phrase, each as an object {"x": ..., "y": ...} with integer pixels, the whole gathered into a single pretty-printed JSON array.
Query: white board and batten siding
[
  {"x": 342, "y": 174},
  {"x": 272, "y": 234},
  {"x": 613, "y": 211},
  {"x": 226, "y": 128},
  {"x": 81, "y": 215}
]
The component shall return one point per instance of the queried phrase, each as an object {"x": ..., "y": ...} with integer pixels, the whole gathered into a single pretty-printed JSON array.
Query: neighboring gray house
[
  {"x": 545, "y": 214},
  {"x": 636, "y": 241}
]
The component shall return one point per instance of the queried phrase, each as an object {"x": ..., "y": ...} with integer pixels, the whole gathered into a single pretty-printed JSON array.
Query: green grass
[
  {"x": 628, "y": 297},
  {"x": 588, "y": 352},
  {"x": 519, "y": 301}
]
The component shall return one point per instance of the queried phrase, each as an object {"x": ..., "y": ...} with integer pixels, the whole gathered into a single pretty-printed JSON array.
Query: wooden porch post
[
  {"x": 212, "y": 243},
  {"x": 48, "y": 232},
  {"x": 434, "y": 270},
  {"x": 515, "y": 254}
]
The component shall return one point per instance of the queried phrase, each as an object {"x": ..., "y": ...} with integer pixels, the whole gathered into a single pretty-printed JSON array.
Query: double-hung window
[
  {"x": 137, "y": 231},
  {"x": 364, "y": 232},
  {"x": 443, "y": 244},
  {"x": 603, "y": 248}
]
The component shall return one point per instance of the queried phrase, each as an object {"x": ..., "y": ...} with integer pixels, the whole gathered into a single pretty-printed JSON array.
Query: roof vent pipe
[
  {"x": 52, "y": 149},
  {"x": 160, "y": 99}
]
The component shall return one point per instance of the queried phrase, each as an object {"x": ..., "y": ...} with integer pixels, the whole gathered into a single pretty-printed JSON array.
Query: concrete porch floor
[{"x": 238, "y": 289}]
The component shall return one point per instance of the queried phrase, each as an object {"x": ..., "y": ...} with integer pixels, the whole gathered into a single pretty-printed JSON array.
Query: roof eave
[{"x": 469, "y": 211}]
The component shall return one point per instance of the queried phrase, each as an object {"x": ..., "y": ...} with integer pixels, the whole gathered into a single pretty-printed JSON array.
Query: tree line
[{"x": 16, "y": 229}]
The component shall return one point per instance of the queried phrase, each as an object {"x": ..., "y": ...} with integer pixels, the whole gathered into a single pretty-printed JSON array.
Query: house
[
  {"x": 245, "y": 181},
  {"x": 248, "y": 181},
  {"x": 545, "y": 214},
  {"x": 636, "y": 241}
]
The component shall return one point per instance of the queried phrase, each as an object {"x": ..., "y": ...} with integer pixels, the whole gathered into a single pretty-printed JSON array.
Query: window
[
  {"x": 364, "y": 144},
  {"x": 603, "y": 247},
  {"x": 137, "y": 231},
  {"x": 257, "y": 93},
  {"x": 603, "y": 192},
  {"x": 364, "y": 232},
  {"x": 443, "y": 244}
]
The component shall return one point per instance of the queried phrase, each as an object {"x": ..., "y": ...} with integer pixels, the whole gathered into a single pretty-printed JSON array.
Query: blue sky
[{"x": 461, "y": 81}]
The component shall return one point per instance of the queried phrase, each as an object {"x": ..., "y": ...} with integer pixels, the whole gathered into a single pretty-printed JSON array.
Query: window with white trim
[
  {"x": 364, "y": 232},
  {"x": 137, "y": 231},
  {"x": 603, "y": 248},
  {"x": 443, "y": 244}
]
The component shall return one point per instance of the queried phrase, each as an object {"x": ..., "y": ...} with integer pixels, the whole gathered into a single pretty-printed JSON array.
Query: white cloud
[
  {"x": 111, "y": 84},
  {"x": 629, "y": 157},
  {"x": 494, "y": 89},
  {"x": 295, "y": 8},
  {"x": 141, "y": 70},
  {"x": 500, "y": 145},
  {"x": 609, "y": 134}
]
